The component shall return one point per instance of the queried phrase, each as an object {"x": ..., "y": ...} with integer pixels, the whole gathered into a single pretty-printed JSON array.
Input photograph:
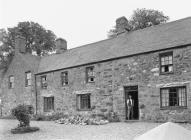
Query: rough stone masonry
[{"x": 129, "y": 60}]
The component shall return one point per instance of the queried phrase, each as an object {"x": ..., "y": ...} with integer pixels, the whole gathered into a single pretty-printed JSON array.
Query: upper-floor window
[
  {"x": 27, "y": 78},
  {"x": 90, "y": 74},
  {"x": 166, "y": 63},
  {"x": 173, "y": 97},
  {"x": 11, "y": 81},
  {"x": 44, "y": 82},
  {"x": 64, "y": 78}
]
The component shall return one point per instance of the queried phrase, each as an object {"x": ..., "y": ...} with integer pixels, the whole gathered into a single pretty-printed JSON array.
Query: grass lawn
[{"x": 52, "y": 131}]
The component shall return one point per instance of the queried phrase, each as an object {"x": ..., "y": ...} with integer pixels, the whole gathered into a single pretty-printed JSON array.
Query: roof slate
[{"x": 153, "y": 38}]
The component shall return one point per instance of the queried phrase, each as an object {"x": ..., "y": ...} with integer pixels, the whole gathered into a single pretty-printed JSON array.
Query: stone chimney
[
  {"x": 20, "y": 43},
  {"x": 122, "y": 25},
  {"x": 61, "y": 45}
]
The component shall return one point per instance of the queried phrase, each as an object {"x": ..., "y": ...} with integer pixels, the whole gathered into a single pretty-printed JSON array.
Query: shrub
[
  {"x": 56, "y": 116},
  {"x": 179, "y": 117},
  {"x": 22, "y": 114},
  {"x": 142, "y": 106},
  {"x": 112, "y": 117},
  {"x": 158, "y": 116},
  {"x": 50, "y": 117},
  {"x": 39, "y": 117}
]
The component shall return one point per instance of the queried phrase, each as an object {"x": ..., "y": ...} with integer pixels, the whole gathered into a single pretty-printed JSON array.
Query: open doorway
[{"x": 133, "y": 92}]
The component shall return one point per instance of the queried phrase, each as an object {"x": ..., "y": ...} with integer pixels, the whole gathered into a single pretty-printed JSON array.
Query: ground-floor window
[
  {"x": 173, "y": 97},
  {"x": 48, "y": 104},
  {"x": 83, "y": 102}
]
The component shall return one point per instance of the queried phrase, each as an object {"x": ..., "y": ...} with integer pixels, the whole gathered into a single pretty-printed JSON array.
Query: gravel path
[{"x": 52, "y": 131}]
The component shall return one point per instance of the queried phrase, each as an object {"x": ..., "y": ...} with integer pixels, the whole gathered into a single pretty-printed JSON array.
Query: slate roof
[
  {"x": 31, "y": 60},
  {"x": 153, "y": 38}
]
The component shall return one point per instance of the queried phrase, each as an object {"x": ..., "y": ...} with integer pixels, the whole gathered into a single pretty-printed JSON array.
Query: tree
[
  {"x": 6, "y": 51},
  {"x": 140, "y": 19},
  {"x": 38, "y": 39}
]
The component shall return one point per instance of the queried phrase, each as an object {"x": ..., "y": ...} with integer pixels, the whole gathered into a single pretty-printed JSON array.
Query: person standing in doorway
[{"x": 130, "y": 104}]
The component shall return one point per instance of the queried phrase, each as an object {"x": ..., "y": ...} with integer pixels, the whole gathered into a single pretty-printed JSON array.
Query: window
[
  {"x": 27, "y": 78},
  {"x": 64, "y": 78},
  {"x": 11, "y": 81},
  {"x": 166, "y": 63},
  {"x": 48, "y": 104},
  {"x": 90, "y": 76},
  {"x": 173, "y": 97},
  {"x": 83, "y": 101},
  {"x": 44, "y": 82}
]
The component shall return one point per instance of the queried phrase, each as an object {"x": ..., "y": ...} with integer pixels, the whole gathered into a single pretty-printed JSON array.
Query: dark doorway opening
[{"x": 133, "y": 92}]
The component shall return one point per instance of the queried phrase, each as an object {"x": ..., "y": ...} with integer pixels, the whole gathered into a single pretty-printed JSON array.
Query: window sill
[
  {"x": 173, "y": 108},
  {"x": 90, "y": 82},
  {"x": 65, "y": 85},
  {"x": 84, "y": 109},
  {"x": 166, "y": 73},
  {"x": 48, "y": 111}
]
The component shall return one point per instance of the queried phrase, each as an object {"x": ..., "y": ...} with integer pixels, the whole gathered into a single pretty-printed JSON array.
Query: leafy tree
[
  {"x": 6, "y": 51},
  {"x": 140, "y": 19},
  {"x": 38, "y": 39}
]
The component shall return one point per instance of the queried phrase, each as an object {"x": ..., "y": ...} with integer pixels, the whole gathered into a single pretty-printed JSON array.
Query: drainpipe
[
  {"x": 36, "y": 93},
  {"x": 1, "y": 108}
]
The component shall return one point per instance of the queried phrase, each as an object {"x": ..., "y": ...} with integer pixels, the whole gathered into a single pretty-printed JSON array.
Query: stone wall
[
  {"x": 20, "y": 94},
  {"x": 107, "y": 93}
]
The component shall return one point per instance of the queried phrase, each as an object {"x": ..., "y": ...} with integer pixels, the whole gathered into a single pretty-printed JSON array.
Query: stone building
[
  {"x": 153, "y": 65},
  {"x": 18, "y": 80}
]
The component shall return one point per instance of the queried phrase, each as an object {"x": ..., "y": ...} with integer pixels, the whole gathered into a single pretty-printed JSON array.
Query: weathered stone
[{"x": 108, "y": 89}]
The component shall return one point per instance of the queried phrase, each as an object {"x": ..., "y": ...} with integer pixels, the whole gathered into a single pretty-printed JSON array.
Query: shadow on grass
[{"x": 21, "y": 130}]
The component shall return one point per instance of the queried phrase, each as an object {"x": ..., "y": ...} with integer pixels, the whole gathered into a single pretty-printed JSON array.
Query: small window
[
  {"x": 48, "y": 104},
  {"x": 83, "y": 102},
  {"x": 27, "y": 78},
  {"x": 44, "y": 82},
  {"x": 166, "y": 63},
  {"x": 11, "y": 81},
  {"x": 173, "y": 97},
  {"x": 90, "y": 75},
  {"x": 64, "y": 78}
]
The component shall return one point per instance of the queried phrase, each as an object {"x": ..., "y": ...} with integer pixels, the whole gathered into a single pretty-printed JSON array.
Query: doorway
[{"x": 133, "y": 92}]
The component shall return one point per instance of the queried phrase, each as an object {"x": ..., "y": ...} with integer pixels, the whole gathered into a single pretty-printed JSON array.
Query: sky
[{"x": 82, "y": 22}]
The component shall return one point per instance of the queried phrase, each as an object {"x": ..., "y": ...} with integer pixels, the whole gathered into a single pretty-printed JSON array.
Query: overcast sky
[{"x": 83, "y": 21}]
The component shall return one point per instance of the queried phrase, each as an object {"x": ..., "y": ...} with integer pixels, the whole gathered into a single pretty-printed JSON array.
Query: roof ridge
[
  {"x": 139, "y": 30},
  {"x": 82, "y": 46},
  {"x": 91, "y": 43},
  {"x": 159, "y": 25},
  {"x": 159, "y": 37}
]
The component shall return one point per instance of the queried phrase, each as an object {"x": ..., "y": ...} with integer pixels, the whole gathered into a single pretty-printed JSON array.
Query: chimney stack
[
  {"x": 20, "y": 43},
  {"x": 61, "y": 45},
  {"x": 122, "y": 25}
]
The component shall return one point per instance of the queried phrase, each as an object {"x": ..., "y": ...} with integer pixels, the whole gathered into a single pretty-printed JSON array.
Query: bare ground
[{"x": 52, "y": 131}]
